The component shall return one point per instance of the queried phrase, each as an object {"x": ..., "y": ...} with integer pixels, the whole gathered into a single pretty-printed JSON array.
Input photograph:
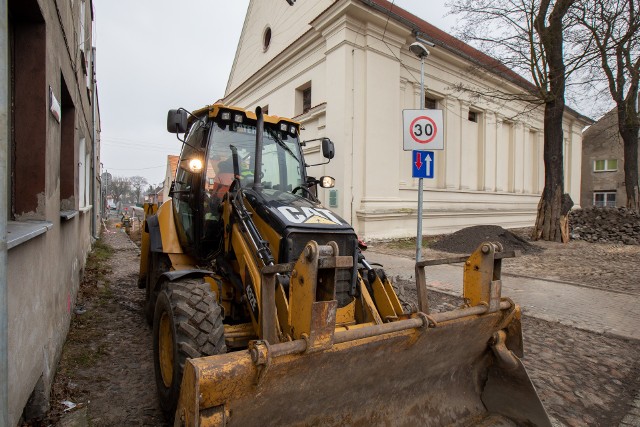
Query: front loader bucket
[{"x": 445, "y": 369}]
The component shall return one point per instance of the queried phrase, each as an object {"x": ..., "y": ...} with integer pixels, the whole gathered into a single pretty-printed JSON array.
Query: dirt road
[{"x": 106, "y": 368}]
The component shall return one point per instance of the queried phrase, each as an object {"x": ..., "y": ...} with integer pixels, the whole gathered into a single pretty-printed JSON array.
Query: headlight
[
  {"x": 237, "y": 118},
  {"x": 327, "y": 182},
  {"x": 195, "y": 165},
  {"x": 283, "y": 127},
  {"x": 226, "y": 115}
]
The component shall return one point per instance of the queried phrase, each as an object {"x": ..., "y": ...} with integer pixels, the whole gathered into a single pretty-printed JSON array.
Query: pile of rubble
[{"x": 605, "y": 225}]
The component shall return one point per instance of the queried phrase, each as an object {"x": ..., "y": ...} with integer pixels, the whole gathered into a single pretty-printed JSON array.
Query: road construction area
[{"x": 580, "y": 331}]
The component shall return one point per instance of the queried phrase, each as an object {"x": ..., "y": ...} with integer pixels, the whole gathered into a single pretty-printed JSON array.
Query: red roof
[{"x": 172, "y": 161}]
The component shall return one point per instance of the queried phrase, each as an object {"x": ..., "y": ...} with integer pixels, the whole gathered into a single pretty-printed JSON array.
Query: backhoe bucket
[{"x": 446, "y": 369}]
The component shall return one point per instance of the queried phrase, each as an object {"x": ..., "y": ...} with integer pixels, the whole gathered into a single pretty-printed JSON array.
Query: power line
[{"x": 130, "y": 169}]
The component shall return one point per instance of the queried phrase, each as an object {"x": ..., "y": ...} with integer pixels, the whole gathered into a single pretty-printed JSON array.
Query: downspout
[
  {"x": 4, "y": 145},
  {"x": 94, "y": 202}
]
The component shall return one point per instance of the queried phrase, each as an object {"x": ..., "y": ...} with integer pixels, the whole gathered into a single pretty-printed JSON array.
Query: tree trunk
[
  {"x": 630, "y": 140},
  {"x": 548, "y": 225},
  {"x": 628, "y": 126}
]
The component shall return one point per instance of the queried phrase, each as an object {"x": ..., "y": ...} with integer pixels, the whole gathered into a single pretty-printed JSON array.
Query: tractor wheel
[
  {"x": 187, "y": 323},
  {"x": 157, "y": 264}
]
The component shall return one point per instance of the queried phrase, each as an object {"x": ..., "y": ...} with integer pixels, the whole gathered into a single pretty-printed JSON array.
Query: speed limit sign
[{"x": 422, "y": 130}]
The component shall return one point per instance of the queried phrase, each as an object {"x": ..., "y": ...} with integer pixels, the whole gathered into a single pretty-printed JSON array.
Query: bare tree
[
  {"x": 528, "y": 37},
  {"x": 137, "y": 182},
  {"x": 614, "y": 26},
  {"x": 120, "y": 188}
]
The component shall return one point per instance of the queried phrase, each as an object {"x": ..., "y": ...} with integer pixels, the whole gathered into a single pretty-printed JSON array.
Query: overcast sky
[{"x": 154, "y": 55}]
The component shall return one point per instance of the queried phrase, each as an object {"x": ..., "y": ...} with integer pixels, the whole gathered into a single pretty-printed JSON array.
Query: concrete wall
[
  {"x": 45, "y": 267},
  {"x": 362, "y": 76},
  {"x": 602, "y": 141}
]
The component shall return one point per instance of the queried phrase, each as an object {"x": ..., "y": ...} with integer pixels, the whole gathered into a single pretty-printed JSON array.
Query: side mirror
[
  {"x": 328, "y": 150},
  {"x": 177, "y": 121}
]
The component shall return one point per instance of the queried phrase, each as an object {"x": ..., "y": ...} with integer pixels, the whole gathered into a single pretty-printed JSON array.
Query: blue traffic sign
[{"x": 422, "y": 164}]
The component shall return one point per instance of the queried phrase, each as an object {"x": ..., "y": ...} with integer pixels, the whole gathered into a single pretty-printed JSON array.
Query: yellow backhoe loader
[{"x": 265, "y": 311}]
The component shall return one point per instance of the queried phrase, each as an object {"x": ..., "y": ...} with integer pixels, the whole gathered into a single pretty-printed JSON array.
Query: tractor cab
[{"x": 220, "y": 148}]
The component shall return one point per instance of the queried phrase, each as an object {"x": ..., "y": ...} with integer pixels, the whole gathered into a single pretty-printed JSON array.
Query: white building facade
[{"x": 343, "y": 69}]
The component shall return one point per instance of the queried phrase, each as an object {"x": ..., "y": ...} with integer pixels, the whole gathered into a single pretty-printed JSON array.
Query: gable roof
[{"x": 424, "y": 30}]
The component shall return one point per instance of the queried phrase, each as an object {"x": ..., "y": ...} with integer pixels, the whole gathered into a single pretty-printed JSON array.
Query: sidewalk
[{"x": 573, "y": 305}]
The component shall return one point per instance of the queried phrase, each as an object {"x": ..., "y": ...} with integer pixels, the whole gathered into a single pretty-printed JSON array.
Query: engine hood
[{"x": 284, "y": 210}]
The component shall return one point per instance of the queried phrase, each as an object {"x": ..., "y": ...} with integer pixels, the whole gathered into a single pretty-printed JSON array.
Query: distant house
[
  {"x": 169, "y": 176},
  {"x": 343, "y": 69},
  {"x": 53, "y": 182},
  {"x": 603, "y": 182}
]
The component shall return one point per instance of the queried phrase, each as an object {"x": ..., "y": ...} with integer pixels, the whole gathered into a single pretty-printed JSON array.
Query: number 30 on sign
[{"x": 422, "y": 130}]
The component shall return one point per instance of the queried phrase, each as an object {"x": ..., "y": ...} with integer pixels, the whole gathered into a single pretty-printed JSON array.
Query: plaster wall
[
  {"x": 44, "y": 272},
  {"x": 602, "y": 141},
  {"x": 43, "y": 277},
  {"x": 285, "y": 27},
  {"x": 362, "y": 77}
]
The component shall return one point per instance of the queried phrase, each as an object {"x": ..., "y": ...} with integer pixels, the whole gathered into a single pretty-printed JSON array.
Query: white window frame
[
  {"x": 84, "y": 174},
  {"x": 607, "y": 203},
  {"x": 607, "y": 167}
]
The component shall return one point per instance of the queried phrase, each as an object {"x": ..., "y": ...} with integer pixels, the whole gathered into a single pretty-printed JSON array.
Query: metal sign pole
[{"x": 420, "y": 183}]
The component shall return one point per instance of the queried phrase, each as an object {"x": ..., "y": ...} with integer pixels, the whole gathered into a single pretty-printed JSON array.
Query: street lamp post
[{"x": 421, "y": 52}]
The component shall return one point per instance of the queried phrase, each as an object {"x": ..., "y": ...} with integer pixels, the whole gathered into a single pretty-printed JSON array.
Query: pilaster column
[
  {"x": 502, "y": 154},
  {"x": 468, "y": 153},
  {"x": 416, "y": 95},
  {"x": 518, "y": 157},
  {"x": 490, "y": 140},
  {"x": 528, "y": 159},
  {"x": 452, "y": 143}
]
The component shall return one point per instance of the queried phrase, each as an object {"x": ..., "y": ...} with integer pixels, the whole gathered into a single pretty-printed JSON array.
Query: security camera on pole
[{"x": 422, "y": 129}]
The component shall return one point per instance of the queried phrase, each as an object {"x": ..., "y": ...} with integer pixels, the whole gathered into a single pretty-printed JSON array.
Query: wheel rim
[{"x": 165, "y": 350}]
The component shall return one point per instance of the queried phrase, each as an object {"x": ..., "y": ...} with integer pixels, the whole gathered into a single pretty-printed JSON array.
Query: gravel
[{"x": 468, "y": 239}]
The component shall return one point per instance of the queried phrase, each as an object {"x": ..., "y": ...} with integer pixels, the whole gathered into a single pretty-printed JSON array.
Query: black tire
[
  {"x": 187, "y": 323},
  {"x": 157, "y": 264}
]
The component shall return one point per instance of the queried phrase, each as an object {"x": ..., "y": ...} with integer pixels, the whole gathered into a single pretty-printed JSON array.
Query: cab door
[{"x": 187, "y": 188}]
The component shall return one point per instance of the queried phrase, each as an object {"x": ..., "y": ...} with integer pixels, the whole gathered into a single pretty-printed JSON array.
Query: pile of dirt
[
  {"x": 605, "y": 225},
  {"x": 468, "y": 239}
]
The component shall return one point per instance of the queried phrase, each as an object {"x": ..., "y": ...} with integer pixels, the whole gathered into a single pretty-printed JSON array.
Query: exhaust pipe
[{"x": 257, "y": 173}]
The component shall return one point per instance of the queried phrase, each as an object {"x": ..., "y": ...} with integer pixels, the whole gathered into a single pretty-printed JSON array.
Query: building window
[
  {"x": 473, "y": 116},
  {"x": 84, "y": 173},
  {"x": 604, "y": 199},
  {"x": 303, "y": 98},
  {"x": 306, "y": 100},
  {"x": 67, "y": 148},
  {"x": 266, "y": 39},
  {"x": 28, "y": 116},
  {"x": 81, "y": 26},
  {"x": 605, "y": 165},
  {"x": 430, "y": 103}
]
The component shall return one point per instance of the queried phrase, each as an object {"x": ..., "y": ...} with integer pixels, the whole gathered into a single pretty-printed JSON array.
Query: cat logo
[{"x": 309, "y": 215}]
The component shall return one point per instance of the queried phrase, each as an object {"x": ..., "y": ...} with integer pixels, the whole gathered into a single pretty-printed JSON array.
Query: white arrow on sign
[{"x": 427, "y": 160}]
